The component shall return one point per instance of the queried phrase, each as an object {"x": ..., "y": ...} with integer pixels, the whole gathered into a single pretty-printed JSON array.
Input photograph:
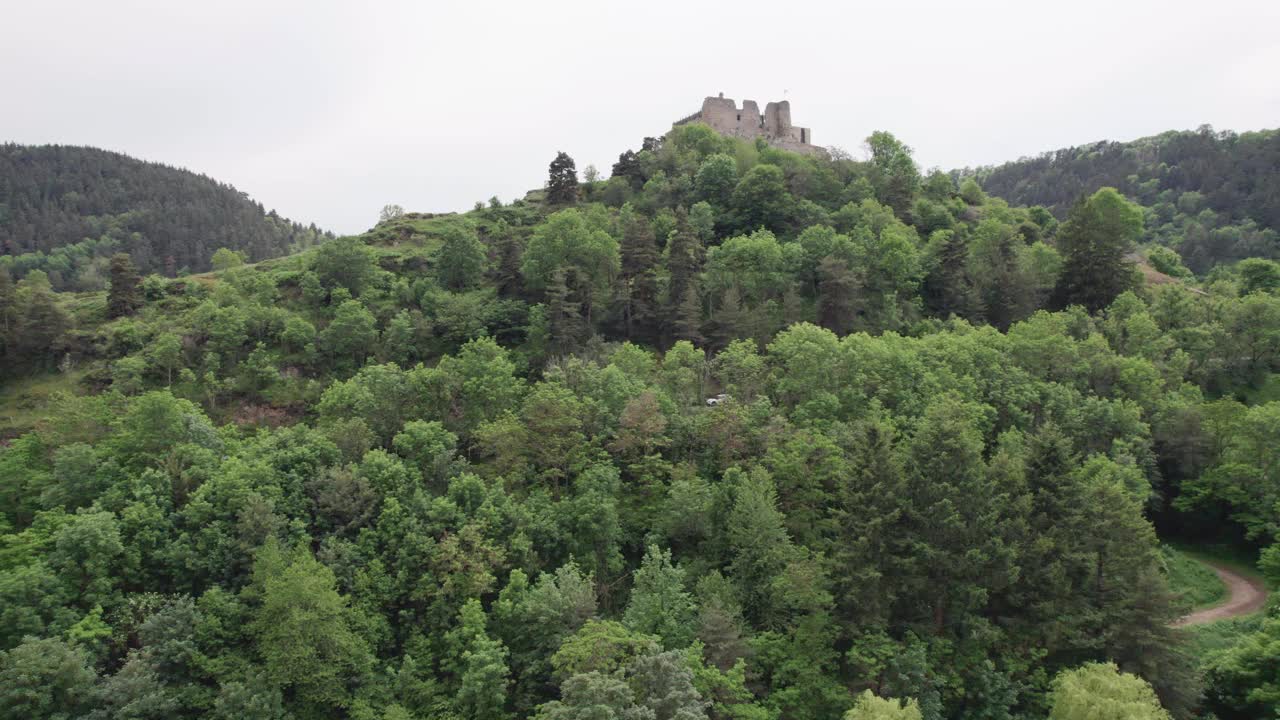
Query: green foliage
[
  {"x": 303, "y": 629},
  {"x": 757, "y": 434},
  {"x": 870, "y": 707},
  {"x": 562, "y": 181},
  {"x": 44, "y": 680},
  {"x": 68, "y": 209},
  {"x": 1094, "y": 241},
  {"x": 1099, "y": 691}
]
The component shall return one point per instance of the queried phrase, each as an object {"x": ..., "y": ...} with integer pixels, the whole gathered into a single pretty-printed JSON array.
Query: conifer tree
[
  {"x": 687, "y": 324},
  {"x": 123, "y": 297},
  {"x": 659, "y": 604},
  {"x": 1094, "y": 241},
  {"x": 837, "y": 293},
  {"x": 638, "y": 285},
  {"x": 562, "y": 181},
  {"x": 564, "y": 316}
]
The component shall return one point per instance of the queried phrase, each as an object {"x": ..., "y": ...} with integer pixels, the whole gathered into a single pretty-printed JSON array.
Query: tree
[
  {"x": 948, "y": 289},
  {"x": 716, "y": 179},
  {"x": 41, "y": 322},
  {"x": 1099, "y": 691},
  {"x": 1094, "y": 241},
  {"x": 664, "y": 685},
  {"x": 628, "y": 167},
  {"x": 1243, "y": 680},
  {"x": 461, "y": 260},
  {"x": 683, "y": 309},
  {"x": 123, "y": 297},
  {"x": 659, "y": 603},
  {"x": 226, "y": 258},
  {"x": 351, "y": 335},
  {"x": 870, "y": 707},
  {"x": 562, "y": 181},
  {"x": 485, "y": 678},
  {"x": 896, "y": 178},
  {"x": 638, "y": 284},
  {"x": 345, "y": 262},
  {"x": 303, "y": 629},
  {"x": 165, "y": 352},
  {"x": 955, "y": 518},
  {"x": 390, "y": 212},
  {"x": 569, "y": 243},
  {"x": 760, "y": 199},
  {"x": 44, "y": 680},
  {"x": 837, "y": 290},
  {"x": 759, "y": 542},
  {"x": 594, "y": 696}
]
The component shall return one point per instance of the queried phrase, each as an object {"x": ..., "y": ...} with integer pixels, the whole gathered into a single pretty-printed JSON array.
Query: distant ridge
[{"x": 64, "y": 209}]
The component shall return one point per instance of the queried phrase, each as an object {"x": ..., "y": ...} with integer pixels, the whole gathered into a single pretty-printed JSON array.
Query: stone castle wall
[{"x": 774, "y": 125}]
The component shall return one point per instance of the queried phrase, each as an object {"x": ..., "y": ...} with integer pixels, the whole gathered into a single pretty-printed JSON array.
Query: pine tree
[
  {"x": 507, "y": 269},
  {"x": 1093, "y": 241},
  {"x": 628, "y": 167},
  {"x": 683, "y": 264},
  {"x": 564, "y": 316},
  {"x": 837, "y": 293},
  {"x": 759, "y": 543},
  {"x": 659, "y": 604},
  {"x": 562, "y": 181},
  {"x": 687, "y": 324},
  {"x": 867, "y": 513},
  {"x": 948, "y": 289},
  {"x": 638, "y": 284},
  {"x": 728, "y": 322},
  {"x": 123, "y": 297}
]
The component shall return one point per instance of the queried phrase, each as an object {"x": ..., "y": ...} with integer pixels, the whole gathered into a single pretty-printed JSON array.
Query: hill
[
  {"x": 1214, "y": 197},
  {"x": 65, "y": 210},
  {"x": 463, "y": 465}
]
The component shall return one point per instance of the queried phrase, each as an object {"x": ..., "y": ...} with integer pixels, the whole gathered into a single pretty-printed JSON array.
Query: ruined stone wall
[{"x": 724, "y": 116}]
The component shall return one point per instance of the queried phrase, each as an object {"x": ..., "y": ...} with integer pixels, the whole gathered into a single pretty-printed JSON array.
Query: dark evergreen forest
[{"x": 64, "y": 210}]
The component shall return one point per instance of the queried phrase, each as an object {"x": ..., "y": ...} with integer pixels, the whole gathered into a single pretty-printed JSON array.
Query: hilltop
[
  {"x": 464, "y": 465},
  {"x": 1214, "y": 197},
  {"x": 64, "y": 210}
]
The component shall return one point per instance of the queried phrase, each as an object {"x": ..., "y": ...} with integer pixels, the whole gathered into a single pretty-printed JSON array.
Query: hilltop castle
[{"x": 724, "y": 116}]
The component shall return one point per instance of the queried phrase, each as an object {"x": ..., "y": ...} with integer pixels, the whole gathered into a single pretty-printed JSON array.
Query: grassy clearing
[
  {"x": 1242, "y": 561},
  {"x": 24, "y": 401},
  {"x": 1192, "y": 579},
  {"x": 1205, "y": 640}
]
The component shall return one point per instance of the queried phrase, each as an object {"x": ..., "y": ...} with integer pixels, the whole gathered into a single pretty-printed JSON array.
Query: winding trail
[{"x": 1244, "y": 596}]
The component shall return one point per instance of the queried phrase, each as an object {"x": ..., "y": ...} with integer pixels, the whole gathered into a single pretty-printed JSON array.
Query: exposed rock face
[{"x": 726, "y": 118}]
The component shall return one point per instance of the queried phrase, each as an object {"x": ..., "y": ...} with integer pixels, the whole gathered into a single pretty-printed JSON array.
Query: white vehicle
[{"x": 717, "y": 400}]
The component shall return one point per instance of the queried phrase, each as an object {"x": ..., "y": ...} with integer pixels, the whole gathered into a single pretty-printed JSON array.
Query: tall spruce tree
[
  {"x": 124, "y": 296},
  {"x": 638, "y": 282},
  {"x": 1094, "y": 240},
  {"x": 562, "y": 181}
]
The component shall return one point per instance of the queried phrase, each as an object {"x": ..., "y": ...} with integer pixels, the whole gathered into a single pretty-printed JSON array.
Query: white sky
[{"x": 327, "y": 111}]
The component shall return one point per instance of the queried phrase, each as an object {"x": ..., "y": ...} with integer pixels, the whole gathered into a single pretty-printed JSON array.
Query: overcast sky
[{"x": 327, "y": 111}]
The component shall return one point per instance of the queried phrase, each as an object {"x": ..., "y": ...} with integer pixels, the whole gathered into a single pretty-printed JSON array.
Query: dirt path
[{"x": 1244, "y": 596}]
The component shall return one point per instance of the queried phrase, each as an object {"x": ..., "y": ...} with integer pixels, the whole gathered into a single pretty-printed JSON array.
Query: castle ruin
[{"x": 726, "y": 118}]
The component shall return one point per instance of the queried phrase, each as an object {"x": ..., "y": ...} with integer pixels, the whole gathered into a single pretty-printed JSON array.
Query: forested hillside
[
  {"x": 65, "y": 210},
  {"x": 734, "y": 434},
  {"x": 1212, "y": 196}
]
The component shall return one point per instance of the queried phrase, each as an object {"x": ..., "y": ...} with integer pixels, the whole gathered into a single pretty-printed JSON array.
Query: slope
[{"x": 65, "y": 209}]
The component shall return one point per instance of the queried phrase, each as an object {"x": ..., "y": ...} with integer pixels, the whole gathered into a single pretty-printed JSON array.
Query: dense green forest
[
  {"x": 66, "y": 210},
  {"x": 1214, "y": 197},
  {"x": 733, "y": 434}
]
